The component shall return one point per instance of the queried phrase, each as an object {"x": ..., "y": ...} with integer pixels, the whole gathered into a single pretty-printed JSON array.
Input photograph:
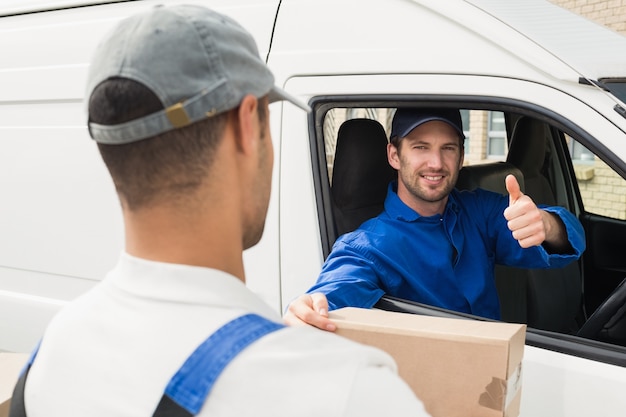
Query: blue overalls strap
[
  {"x": 17, "y": 408},
  {"x": 189, "y": 388}
]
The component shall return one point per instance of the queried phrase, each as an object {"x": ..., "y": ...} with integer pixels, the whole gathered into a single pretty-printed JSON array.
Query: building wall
[
  {"x": 610, "y": 13},
  {"x": 602, "y": 190}
]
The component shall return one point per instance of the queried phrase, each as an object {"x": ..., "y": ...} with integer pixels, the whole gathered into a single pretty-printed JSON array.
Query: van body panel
[
  {"x": 15, "y": 7},
  {"x": 587, "y": 47},
  {"x": 300, "y": 259},
  {"x": 396, "y": 36},
  {"x": 563, "y": 385}
]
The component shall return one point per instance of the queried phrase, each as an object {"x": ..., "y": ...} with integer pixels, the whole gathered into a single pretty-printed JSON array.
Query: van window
[
  {"x": 557, "y": 167},
  {"x": 602, "y": 190},
  {"x": 485, "y": 132},
  {"x": 497, "y": 142},
  {"x": 580, "y": 154},
  {"x": 617, "y": 86}
]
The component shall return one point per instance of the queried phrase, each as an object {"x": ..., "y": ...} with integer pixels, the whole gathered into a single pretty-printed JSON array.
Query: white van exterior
[{"x": 60, "y": 222}]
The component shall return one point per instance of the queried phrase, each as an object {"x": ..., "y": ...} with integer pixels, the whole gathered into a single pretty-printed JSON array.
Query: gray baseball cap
[{"x": 196, "y": 61}]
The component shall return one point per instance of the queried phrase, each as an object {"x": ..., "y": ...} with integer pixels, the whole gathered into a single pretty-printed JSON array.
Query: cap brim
[{"x": 278, "y": 94}]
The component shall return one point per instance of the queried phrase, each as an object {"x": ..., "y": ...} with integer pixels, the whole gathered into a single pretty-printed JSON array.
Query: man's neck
[
  {"x": 162, "y": 234},
  {"x": 422, "y": 207}
]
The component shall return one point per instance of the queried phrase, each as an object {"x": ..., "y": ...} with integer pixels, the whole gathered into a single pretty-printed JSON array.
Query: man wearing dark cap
[
  {"x": 433, "y": 244},
  {"x": 178, "y": 105}
]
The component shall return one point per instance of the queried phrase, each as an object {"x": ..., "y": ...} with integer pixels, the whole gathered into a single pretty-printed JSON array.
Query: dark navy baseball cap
[{"x": 408, "y": 118}]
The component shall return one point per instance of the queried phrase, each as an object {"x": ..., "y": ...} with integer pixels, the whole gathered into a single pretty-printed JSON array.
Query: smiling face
[{"x": 428, "y": 161}]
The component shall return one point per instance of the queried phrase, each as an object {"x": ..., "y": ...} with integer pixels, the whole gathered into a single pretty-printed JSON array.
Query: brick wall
[
  {"x": 611, "y": 13},
  {"x": 602, "y": 190}
]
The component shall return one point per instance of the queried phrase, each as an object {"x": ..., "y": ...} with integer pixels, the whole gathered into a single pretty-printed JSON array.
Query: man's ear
[
  {"x": 247, "y": 126},
  {"x": 393, "y": 157}
]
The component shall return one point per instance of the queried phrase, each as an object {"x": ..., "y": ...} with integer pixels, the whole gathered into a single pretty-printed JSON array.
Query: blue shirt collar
[{"x": 397, "y": 209}]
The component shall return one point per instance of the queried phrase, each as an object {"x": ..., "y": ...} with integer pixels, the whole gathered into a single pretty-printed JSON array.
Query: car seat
[
  {"x": 554, "y": 296},
  {"x": 510, "y": 283},
  {"x": 361, "y": 173}
]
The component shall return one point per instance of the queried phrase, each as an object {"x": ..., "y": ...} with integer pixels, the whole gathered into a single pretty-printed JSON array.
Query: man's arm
[{"x": 348, "y": 278}]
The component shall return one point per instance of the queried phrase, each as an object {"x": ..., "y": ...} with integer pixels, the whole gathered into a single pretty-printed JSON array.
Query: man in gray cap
[
  {"x": 433, "y": 244},
  {"x": 178, "y": 104}
]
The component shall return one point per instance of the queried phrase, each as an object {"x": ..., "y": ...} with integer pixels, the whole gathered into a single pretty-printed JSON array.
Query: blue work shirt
[{"x": 445, "y": 261}]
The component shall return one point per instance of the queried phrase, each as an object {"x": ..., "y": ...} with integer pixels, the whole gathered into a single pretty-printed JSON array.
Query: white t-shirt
[{"x": 112, "y": 352}]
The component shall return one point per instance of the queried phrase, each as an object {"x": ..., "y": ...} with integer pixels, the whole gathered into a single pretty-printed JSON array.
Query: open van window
[{"x": 567, "y": 173}]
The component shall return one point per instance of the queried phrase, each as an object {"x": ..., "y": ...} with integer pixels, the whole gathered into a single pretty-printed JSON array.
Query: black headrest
[
  {"x": 361, "y": 173},
  {"x": 527, "y": 149},
  {"x": 488, "y": 177}
]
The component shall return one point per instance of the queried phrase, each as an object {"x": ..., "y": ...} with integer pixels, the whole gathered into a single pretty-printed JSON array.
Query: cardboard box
[
  {"x": 10, "y": 366},
  {"x": 456, "y": 367}
]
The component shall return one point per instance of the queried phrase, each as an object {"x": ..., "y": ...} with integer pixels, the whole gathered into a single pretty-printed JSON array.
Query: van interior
[{"x": 555, "y": 165}]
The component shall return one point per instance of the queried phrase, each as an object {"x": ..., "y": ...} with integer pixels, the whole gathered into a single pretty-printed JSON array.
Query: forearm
[{"x": 556, "y": 239}]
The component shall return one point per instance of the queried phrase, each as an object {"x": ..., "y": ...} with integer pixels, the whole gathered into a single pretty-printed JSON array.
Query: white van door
[{"x": 562, "y": 372}]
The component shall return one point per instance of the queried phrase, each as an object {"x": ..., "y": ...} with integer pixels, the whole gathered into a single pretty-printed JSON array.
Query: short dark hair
[{"x": 166, "y": 166}]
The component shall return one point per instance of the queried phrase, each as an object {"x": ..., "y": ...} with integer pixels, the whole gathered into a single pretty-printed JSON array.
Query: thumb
[{"x": 512, "y": 186}]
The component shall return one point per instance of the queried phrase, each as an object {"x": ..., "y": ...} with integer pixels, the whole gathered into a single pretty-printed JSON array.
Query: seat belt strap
[{"x": 189, "y": 388}]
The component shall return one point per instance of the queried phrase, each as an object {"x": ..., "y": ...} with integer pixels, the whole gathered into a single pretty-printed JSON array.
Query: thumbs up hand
[{"x": 526, "y": 222}]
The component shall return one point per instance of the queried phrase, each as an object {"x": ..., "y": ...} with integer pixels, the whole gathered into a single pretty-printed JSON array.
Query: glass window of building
[{"x": 496, "y": 137}]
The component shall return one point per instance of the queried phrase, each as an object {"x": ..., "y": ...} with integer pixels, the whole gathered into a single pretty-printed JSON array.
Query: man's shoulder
[
  {"x": 311, "y": 364},
  {"x": 371, "y": 233}
]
